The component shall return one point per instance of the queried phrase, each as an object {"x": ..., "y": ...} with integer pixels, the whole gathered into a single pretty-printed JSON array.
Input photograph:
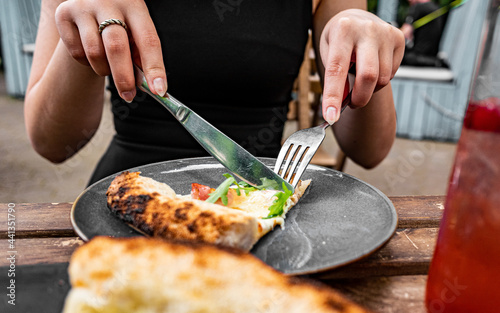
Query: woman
[{"x": 231, "y": 61}]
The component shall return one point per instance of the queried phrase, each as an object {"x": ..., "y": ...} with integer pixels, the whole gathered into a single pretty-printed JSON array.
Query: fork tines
[{"x": 289, "y": 161}]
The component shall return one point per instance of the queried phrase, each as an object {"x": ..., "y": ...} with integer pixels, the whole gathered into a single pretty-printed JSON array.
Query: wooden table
[{"x": 390, "y": 280}]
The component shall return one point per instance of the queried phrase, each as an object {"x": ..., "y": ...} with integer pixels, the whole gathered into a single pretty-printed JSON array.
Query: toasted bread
[{"x": 142, "y": 274}]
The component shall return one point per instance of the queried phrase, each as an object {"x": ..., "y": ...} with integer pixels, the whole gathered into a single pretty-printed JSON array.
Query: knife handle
[
  {"x": 349, "y": 83},
  {"x": 179, "y": 110}
]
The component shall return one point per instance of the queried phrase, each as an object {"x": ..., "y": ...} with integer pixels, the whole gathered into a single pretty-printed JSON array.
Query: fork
[{"x": 298, "y": 150}]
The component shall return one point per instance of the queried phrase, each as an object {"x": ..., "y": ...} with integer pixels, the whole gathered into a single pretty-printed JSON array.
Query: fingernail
[
  {"x": 160, "y": 86},
  {"x": 331, "y": 115},
  {"x": 128, "y": 96}
]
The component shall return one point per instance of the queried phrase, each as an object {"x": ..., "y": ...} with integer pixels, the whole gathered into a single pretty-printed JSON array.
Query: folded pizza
[
  {"x": 142, "y": 274},
  {"x": 232, "y": 215}
]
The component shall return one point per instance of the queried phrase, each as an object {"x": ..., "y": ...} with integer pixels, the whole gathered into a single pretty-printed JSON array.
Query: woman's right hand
[{"x": 112, "y": 51}]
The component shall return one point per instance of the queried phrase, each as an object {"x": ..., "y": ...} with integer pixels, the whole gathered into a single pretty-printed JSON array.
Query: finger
[
  {"x": 136, "y": 58},
  {"x": 69, "y": 34},
  {"x": 385, "y": 67},
  {"x": 116, "y": 45},
  {"x": 399, "y": 50},
  {"x": 336, "y": 69},
  {"x": 367, "y": 73},
  {"x": 93, "y": 46},
  {"x": 148, "y": 47}
]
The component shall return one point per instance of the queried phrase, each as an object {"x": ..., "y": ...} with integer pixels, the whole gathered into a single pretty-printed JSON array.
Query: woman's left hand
[{"x": 376, "y": 48}]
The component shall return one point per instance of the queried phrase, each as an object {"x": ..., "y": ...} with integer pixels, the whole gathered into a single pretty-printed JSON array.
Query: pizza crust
[
  {"x": 151, "y": 275},
  {"x": 154, "y": 209}
]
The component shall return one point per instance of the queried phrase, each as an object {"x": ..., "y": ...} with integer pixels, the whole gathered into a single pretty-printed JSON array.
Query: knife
[{"x": 236, "y": 159}]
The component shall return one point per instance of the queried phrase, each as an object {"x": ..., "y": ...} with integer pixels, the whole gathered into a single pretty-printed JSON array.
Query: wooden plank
[
  {"x": 397, "y": 294},
  {"x": 37, "y": 220},
  {"x": 39, "y": 250},
  {"x": 418, "y": 211},
  {"x": 53, "y": 219},
  {"x": 409, "y": 252}
]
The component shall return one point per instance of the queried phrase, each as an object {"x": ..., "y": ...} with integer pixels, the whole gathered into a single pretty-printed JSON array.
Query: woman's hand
[
  {"x": 374, "y": 46},
  {"x": 112, "y": 51}
]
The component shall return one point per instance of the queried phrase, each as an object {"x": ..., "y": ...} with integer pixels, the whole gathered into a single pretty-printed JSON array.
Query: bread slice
[
  {"x": 142, "y": 274},
  {"x": 154, "y": 209}
]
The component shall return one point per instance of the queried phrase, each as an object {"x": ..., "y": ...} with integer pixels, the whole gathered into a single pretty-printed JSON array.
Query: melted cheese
[{"x": 257, "y": 204}]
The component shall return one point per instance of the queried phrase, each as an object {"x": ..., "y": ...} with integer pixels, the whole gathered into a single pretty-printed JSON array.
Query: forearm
[
  {"x": 63, "y": 106},
  {"x": 366, "y": 134}
]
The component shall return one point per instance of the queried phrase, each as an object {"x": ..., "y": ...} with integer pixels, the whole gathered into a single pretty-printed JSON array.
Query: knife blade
[{"x": 235, "y": 158}]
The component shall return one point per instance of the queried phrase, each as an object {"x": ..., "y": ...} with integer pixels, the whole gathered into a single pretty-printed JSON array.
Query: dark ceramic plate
[{"x": 340, "y": 219}]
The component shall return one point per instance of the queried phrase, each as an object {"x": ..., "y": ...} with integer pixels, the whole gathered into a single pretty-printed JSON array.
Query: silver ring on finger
[{"x": 111, "y": 21}]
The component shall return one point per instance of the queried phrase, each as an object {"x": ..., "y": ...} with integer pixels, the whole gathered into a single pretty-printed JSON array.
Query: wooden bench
[{"x": 431, "y": 102}]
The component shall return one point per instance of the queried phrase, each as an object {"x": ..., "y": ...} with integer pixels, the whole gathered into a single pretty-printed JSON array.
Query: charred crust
[
  {"x": 143, "y": 225},
  {"x": 336, "y": 305},
  {"x": 163, "y": 231},
  {"x": 135, "y": 204},
  {"x": 205, "y": 214},
  {"x": 133, "y": 199},
  {"x": 122, "y": 191},
  {"x": 143, "y": 198},
  {"x": 128, "y": 208},
  {"x": 192, "y": 227},
  {"x": 181, "y": 214}
]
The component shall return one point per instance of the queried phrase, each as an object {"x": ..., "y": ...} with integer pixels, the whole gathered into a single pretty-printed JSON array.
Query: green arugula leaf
[
  {"x": 241, "y": 185},
  {"x": 276, "y": 209},
  {"x": 247, "y": 188},
  {"x": 221, "y": 191}
]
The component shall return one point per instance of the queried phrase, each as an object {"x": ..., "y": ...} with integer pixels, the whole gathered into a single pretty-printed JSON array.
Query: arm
[
  {"x": 342, "y": 35},
  {"x": 64, "y": 99}
]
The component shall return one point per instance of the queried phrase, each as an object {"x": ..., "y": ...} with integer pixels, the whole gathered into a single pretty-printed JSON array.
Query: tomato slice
[{"x": 200, "y": 192}]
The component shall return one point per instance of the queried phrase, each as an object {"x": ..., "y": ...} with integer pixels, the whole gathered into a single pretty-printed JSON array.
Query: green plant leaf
[
  {"x": 221, "y": 191},
  {"x": 276, "y": 209}
]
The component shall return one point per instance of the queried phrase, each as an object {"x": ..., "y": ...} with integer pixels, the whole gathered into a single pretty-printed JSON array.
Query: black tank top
[{"x": 231, "y": 61}]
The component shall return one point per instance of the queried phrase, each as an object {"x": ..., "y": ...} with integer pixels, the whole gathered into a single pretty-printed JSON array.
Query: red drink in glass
[{"x": 465, "y": 272}]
